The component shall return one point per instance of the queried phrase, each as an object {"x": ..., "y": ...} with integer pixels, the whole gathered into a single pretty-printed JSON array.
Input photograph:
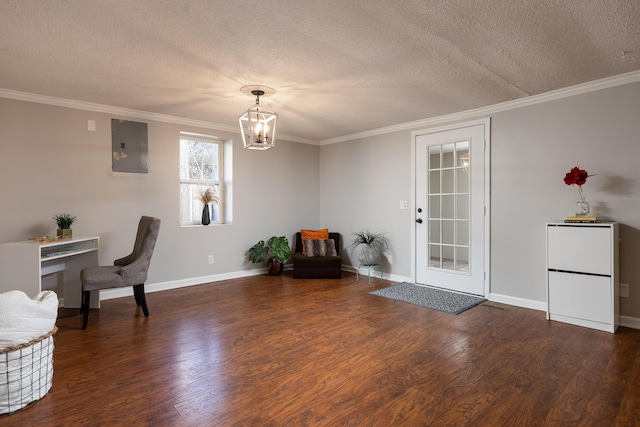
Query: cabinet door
[
  {"x": 580, "y": 249},
  {"x": 580, "y": 296}
]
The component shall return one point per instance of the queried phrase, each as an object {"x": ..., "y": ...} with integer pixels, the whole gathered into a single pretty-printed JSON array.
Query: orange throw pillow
[{"x": 322, "y": 234}]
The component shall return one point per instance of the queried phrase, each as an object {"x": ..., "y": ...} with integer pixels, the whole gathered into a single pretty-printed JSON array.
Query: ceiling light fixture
[{"x": 258, "y": 124}]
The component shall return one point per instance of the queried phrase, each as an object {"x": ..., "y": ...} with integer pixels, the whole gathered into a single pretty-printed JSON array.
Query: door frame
[{"x": 487, "y": 193}]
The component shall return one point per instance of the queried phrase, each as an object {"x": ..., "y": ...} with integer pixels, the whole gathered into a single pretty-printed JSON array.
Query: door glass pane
[
  {"x": 434, "y": 182},
  {"x": 434, "y": 157},
  {"x": 434, "y": 256},
  {"x": 447, "y": 155},
  {"x": 462, "y": 154},
  {"x": 462, "y": 233},
  {"x": 448, "y": 205},
  {"x": 448, "y": 183},
  {"x": 434, "y": 231},
  {"x": 462, "y": 206},
  {"x": 462, "y": 259},
  {"x": 462, "y": 180},
  {"x": 448, "y": 256},
  {"x": 448, "y": 232},
  {"x": 434, "y": 206}
]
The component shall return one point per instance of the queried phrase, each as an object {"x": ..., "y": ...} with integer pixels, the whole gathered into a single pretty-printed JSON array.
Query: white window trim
[{"x": 219, "y": 182}]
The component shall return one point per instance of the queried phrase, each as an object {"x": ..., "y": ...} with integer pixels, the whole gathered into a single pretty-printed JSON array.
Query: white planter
[{"x": 369, "y": 255}]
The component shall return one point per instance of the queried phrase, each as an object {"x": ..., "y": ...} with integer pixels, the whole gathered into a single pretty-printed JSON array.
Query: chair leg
[
  {"x": 84, "y": 308},
  {"x": 82, "y": 303},
  {"x": 141, "y": 300},
  {"x": 136, "y": 295}
]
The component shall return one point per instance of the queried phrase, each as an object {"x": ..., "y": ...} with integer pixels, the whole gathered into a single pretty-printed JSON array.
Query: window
[{"x": 201, "y": 161}]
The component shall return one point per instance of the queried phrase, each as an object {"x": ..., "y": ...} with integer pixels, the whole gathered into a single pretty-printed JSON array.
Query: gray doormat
[{"x": 437, "y": 299}]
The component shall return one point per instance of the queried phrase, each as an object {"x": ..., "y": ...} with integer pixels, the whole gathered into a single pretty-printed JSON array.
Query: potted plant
[
  {"x": 370, "y": 245},
  {"x": 64, "y": 222},
  {"x": 276, "y": 251}
]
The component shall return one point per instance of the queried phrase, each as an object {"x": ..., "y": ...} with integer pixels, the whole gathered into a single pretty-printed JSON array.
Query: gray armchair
[{"x": 128, "y": 271}]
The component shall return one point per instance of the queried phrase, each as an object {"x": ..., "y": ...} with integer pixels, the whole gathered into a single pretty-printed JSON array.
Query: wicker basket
[{"x": 26, "y": 372}]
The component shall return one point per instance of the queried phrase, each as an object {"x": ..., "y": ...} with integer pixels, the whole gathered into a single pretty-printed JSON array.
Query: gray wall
[
  {"x": 361, "y": 185},
  {"x": 532, "y": 149},
  {"x": 50, "y": 163},
  {"x": 362, "y": 182}
]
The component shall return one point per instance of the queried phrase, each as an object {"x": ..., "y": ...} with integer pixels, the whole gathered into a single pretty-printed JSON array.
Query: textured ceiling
[{"x": 338, "y": 67}]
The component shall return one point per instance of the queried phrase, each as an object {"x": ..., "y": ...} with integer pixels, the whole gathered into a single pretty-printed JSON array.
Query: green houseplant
[
  {"x": 64, "y": 222},
  {"x": 276, "y": 251},
  {"x": 370, "y": 245}
]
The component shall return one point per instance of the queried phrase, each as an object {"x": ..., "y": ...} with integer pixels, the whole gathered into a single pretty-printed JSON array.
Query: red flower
[{"x": 576, "y": 176}]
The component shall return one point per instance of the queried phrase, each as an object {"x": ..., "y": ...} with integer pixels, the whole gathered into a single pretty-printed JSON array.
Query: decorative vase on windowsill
[
  {"x": 206, "y": 197},
  {"x": 579, "y": 177},
  {"x": 206, "y": 218}
]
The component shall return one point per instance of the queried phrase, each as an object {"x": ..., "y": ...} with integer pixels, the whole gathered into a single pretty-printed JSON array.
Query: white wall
[
  {"x": 362, "y": 182},
  {"x": 50, "y": 163}
]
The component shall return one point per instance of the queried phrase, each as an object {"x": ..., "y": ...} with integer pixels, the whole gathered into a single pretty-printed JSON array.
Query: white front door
[{"x": 450, "y": 208}]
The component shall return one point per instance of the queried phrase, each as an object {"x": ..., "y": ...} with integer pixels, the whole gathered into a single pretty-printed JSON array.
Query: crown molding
[
  {"x": 578, "y": 89},
  {"x": 127, "y": 112}
]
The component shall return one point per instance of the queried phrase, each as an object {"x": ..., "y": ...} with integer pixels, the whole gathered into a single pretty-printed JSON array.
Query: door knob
[{"x": 419, "y": 220}]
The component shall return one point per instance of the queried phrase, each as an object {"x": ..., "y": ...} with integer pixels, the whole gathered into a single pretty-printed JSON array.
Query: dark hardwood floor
[{"x": 277, "y": 351}]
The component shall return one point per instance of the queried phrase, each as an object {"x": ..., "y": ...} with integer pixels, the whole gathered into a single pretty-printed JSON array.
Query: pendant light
[{"x": 258, "y": 124}]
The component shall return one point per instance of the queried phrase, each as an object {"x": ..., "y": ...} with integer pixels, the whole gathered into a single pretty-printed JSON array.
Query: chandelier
[{"x": 258, "y": 124}]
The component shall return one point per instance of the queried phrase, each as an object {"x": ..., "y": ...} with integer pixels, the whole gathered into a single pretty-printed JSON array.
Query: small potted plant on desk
[
  {"x": 276, "y": 251},
  {"x": 64, "y": 222}
]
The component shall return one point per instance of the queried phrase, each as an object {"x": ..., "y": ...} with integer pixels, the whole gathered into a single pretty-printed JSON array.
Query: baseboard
[
  {"x": 518, "y": 302},
  {"x": 176, "y": 284},
  {"x": 376, "y": 274},
  {"x": 629, "y": 322}
]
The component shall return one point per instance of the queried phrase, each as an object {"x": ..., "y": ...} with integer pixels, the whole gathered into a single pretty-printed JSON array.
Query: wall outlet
[
  {"x": 624, "y": 290},
  {"x": 403, "y": 204},
  {"x": 210, "y": 259}
]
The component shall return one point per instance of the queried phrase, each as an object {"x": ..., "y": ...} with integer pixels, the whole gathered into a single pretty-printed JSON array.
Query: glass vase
[{"x": 582, "y": 207}]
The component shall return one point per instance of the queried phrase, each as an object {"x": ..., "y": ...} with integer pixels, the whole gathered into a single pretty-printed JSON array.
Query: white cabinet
[
  {"x": 23, "y": 265},
  {"x": 582, "y": 274}
]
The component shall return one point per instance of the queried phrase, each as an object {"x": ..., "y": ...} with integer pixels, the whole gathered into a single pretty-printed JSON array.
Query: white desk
[{"x": 23, "y": 264}]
